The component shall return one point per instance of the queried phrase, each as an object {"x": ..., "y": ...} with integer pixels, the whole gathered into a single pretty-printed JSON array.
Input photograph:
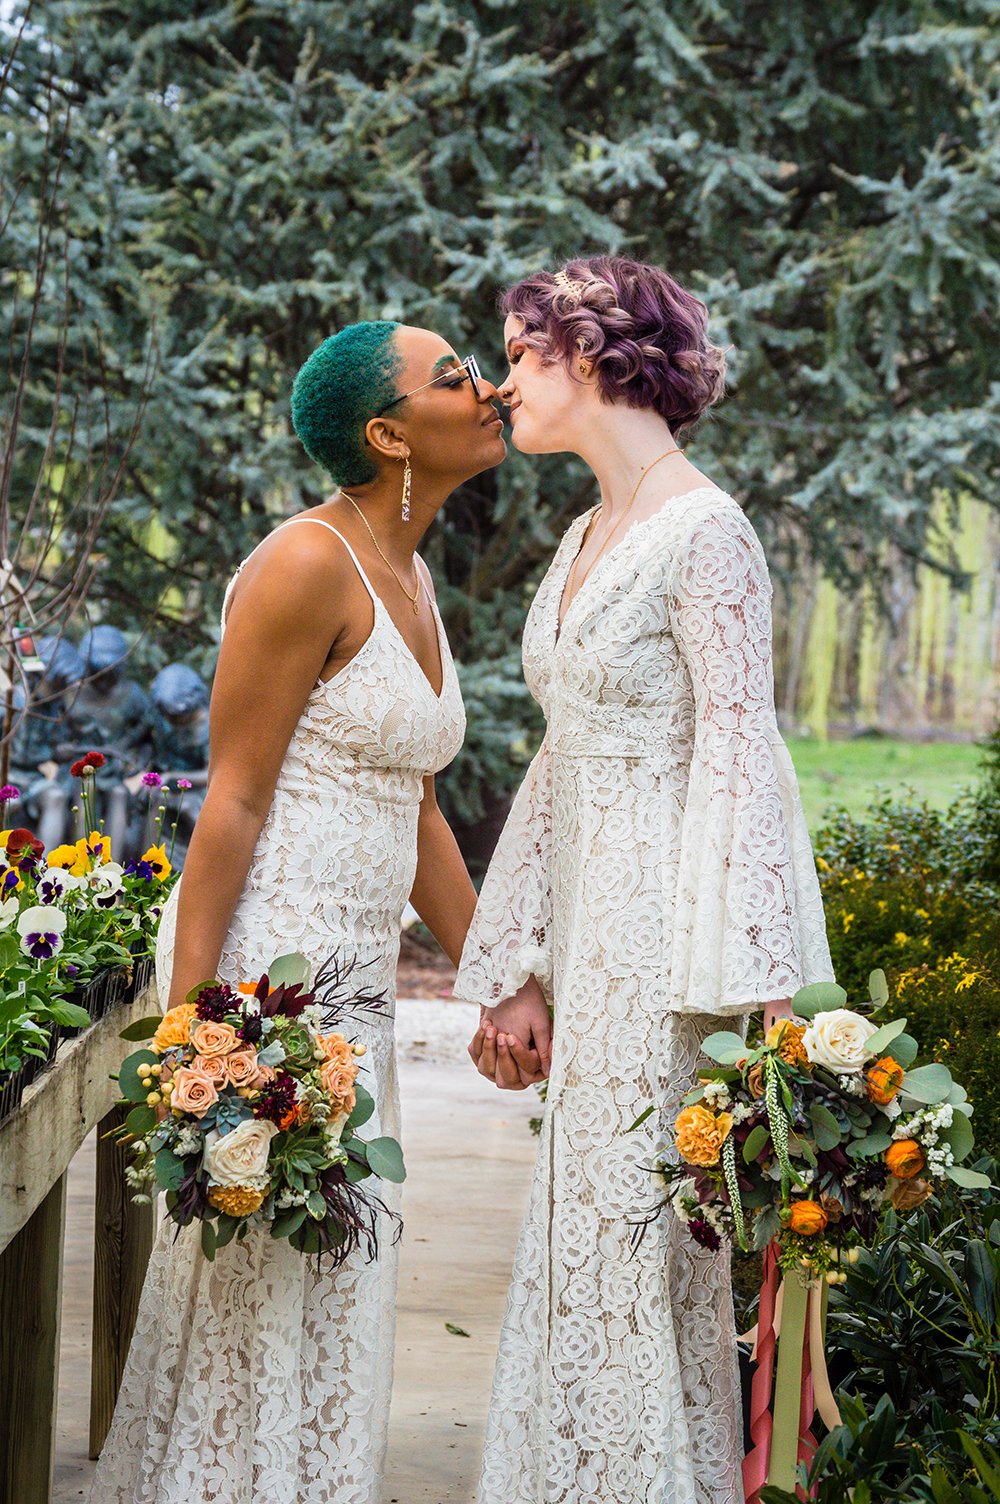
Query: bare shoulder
[
  {"x": 297, "y": 567},
  {"x": 426, "y": 575}
]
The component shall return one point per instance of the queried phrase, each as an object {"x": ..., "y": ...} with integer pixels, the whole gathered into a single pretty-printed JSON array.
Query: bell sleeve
[
  {"x": 747, "y": 925},
  {"x": 510, "y": 938}
]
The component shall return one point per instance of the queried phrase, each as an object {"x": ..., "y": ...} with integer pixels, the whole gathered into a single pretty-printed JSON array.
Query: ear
[{"x": 386, "y": 438}]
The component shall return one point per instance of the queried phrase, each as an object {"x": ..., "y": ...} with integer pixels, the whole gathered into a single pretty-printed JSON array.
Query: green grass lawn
[{"x": 852, "y": 773}]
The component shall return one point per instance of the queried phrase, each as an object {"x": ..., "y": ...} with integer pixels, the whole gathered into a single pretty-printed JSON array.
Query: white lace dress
[
  {"x": 655, "y": 874},
  {"x": 257, "y": 1380}
]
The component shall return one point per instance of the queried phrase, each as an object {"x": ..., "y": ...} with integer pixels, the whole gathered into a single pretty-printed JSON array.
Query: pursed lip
[
  {"x": 494, "y": 417},
  {"x": 512, "y": 408}
]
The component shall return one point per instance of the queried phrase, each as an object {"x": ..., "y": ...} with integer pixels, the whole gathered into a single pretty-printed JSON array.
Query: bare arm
[
  {"x": 285, "y": 615},
  {"x": 442, "y": 894}
]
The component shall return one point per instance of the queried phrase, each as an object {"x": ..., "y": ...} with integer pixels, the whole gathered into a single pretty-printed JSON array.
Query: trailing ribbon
[{"x": 796, "y": 1313}]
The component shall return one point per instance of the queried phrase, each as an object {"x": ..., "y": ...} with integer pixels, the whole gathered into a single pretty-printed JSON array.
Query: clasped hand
[{"x": 513, "y": 1044}]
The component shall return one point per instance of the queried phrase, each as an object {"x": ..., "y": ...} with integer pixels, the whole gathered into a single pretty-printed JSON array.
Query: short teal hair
[{"x": 339, "y": 388}]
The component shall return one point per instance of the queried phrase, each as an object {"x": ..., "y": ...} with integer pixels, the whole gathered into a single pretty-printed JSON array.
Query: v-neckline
[
  {"x": 438, "y": 630},
  {"x": 597, "y": 567}
]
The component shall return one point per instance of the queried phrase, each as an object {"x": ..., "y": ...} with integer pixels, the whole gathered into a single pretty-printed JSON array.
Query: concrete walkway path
[{"x": 469, "y": 1157}]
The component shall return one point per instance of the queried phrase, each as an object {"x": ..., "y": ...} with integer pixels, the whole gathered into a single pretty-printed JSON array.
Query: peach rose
[
  {"x": 905, "y": 1158},
  {"x": 211, "y": 1038},
  {"x": 242, "y": 1067},
  {"x": 807, "y": 1218},
  {"x": 700, "y": 1134},
  {"x": 338, "y": 1082},
  {"x": 193, "y": 1092},
  {"x": 336, "y": 1047},
  {"x": 212, "y": 1066},
  {"x": 883, "y": 1080},
  {"x": 265, "y": 1073},
  {"x": 755, "y": 1081},
  {"x": 910, "y": 1193},
  {"x": 174, "y": 1029}
]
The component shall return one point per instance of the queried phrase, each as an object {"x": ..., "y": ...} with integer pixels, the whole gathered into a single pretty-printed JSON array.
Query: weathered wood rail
[{"x": 57, "y": 1112}]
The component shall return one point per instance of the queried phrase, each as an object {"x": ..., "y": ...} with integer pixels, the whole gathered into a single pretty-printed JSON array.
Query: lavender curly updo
[{"x": 641, "y": 333}]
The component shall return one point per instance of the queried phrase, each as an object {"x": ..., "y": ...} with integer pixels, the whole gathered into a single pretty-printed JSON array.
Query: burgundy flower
[
  {"x": 214, "y": 1002},
  {"x": 21, "y": 843},
  {"x": 276, "y": 1098},
  {"x": 704, "y": 1233}
]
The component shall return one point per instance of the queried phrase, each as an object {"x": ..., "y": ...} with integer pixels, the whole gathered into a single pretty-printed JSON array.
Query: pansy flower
[
  {"x": 55, "y": 883},
  {"x": 41, "y": 931},
  {"x": 9, "y": 908},
  {"x": 70, "y": 859},
  {"x": 10, "y": 881},
  {"x": 106, "y": 885},
  {"x": 158, "y": 862}
]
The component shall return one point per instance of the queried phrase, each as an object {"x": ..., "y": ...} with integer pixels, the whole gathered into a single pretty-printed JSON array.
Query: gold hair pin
[{"x": 569, "y": 285}]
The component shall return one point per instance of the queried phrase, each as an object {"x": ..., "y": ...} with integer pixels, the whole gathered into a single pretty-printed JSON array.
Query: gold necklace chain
[
  {"x": 413, "y": 599},
  {"x": 569, "y": 593}
]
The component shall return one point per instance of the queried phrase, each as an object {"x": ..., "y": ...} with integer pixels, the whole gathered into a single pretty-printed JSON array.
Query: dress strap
[{"x": 357, "y": 563}]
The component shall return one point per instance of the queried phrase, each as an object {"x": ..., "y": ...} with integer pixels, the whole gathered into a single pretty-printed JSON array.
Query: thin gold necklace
[
  {"x": 569, "y": 592},
  {"x": 413, "y": 599}
]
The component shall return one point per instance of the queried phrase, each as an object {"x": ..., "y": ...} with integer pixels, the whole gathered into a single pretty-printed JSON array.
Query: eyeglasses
[{"x": 466, "y": 370}]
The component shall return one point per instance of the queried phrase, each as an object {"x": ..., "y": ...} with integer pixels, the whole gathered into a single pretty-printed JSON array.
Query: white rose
[
  {"x": 838, "y": 1040},
  {"x": 240, "y": 1157}
]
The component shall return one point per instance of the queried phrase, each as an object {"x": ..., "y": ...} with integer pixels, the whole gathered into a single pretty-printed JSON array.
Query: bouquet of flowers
[
  {"x": 805, "y": 1139},
  {"x": 246, "y": 1113}
]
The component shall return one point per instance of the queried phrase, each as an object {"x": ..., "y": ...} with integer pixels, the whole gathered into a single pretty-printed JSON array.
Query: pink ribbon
[{"x": 755, "y": 1463}]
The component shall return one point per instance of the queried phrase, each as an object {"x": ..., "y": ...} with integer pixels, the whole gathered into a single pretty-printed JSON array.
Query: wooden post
[
  {"x": 30, "y": 1298},
  {"x": 123, "y": 1240}
]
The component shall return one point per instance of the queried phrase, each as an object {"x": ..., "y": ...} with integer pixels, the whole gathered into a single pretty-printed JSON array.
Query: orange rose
[
  {"x": 755, "y": 1081},
  {"x": 193, "y": 1092},
  {"x": 786, "y": 1037},
  {"x": 210, "y": 1038},
  {"x": 883, "y": 1080},
  {"x": 700, "y": 1134},
  {"x": 242, "y": 1067},
  {"x": 910, "y": 1193},
  {"x": 175, "y": 1028},
  {"x": 905, "y": 1158},
  {"x": 807, "y": 1218}
]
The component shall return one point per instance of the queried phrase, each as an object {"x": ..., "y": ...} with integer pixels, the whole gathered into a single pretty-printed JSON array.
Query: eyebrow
[{"x": 443, "y": 361}]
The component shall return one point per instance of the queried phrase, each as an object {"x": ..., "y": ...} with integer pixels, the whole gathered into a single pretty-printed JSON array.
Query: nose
[
  {"x": 505, "y": 391},
  {"x": 487, "y": 390}
]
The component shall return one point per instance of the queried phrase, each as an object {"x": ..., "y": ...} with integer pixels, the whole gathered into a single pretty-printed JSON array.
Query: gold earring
[
  {"x": 583, "y": 368},
  {"x": 407, "y": 487}
]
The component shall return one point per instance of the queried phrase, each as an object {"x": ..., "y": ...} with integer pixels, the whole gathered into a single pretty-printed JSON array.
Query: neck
[
  {"x": 381, "y": 501},
  {"x": 619, "y": 444}
]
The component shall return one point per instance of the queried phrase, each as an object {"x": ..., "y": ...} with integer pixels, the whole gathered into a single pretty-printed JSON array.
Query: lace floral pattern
[
  {"x": 259, "y": 1377},
  {"x": 656, "y": 866}
]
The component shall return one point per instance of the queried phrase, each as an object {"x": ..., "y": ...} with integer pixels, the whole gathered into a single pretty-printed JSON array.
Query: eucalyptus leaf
[
  {"x": 959, "y": 1137},
  {"x": 208, "y": 1240},
  {"x": 170, "y": 1171},
  {"x": 878, "y": 988},
  {"x": 385, "y": 1158},
  {"x": 285, "y": 1223},
  {"x": 867, "y": 1148},
  {"x": 904, "y": 1050},
  {"x": 141, "y": 1120},
  {"x": 725, "y": 1047},
  {"x": 757, "y": 1138},
  {"x": 817, "y": 998},
  {"x": 971, "y": 1180},
  {"x": 826, "y": 1129},
  {"x": 143, "y": 1028},
  {"x": 364, "y": 1107},
  {"x": 128, "y": 1075},
  {"x": 291, "y": 970},
  {"x": 928, "y": 1083},
  {"x": 883, "y": 1037}
]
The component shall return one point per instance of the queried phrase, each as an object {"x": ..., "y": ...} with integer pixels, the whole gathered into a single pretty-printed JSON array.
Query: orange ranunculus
[
  {"x": 905, "y": 1158},
  {"x": 807, "y": 1218},
  {"x": 786, "y": 1037},
  {"x": 175, "y": 1028},
  {"x": 700, "y": 1134},
  {"x": 290, "y": 1118},
  {"x": 883, "y": 1080}
]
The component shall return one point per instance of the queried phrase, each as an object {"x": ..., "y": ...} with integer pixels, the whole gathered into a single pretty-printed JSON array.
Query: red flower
[
  {"x": 21, "y": 840},
  {"x": 94, "y": 759},
  {"x": 87, "y": 761}
]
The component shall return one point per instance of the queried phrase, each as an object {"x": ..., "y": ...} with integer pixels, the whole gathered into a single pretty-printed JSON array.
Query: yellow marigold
[
  {"x": 69, "y": 858},
  {"x": 235, "y": 1200},
  {"x": 807, "y": 1218},
  {"x": 175, "y": 1027},
  {"x": 905, "y": 1158},
  {"x": 883, "y": 1080},
  {"x": 157, "y": 858},
  {"x": 786, "y": 1037},
  {"x": 700, "y": 1134}
]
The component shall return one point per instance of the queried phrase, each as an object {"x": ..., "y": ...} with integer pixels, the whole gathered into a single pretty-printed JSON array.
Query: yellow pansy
[
  {"x": 95, "y": 847},
  {"x": 157, "y": 858},
  {"x": 70, "y": 858}
]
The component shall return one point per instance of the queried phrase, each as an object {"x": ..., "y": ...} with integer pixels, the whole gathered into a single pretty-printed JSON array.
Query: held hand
[{"x": 513, "y": 1045}]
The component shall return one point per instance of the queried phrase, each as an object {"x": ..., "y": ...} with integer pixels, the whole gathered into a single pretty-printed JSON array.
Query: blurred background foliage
[{"x": 240, "y": 179}]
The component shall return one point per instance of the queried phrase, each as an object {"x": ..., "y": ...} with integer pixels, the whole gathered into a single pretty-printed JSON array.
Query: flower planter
[{"x": 113, "y": 988}]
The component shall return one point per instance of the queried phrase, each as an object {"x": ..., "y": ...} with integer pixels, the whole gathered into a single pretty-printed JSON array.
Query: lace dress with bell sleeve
[
  {"x": 511, "y": 935},
  {"x": 748, "y": 918}
]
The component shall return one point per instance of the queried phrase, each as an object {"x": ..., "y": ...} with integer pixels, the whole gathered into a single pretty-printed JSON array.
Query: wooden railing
[{"x": 57, "y": 1112}]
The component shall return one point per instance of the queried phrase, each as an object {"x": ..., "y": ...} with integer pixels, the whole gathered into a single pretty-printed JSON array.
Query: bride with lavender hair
[{"x": 653, "y": 883}]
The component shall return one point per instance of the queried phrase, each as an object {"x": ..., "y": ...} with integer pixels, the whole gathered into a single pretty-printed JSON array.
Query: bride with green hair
[{"x": 335, "y": 703}]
